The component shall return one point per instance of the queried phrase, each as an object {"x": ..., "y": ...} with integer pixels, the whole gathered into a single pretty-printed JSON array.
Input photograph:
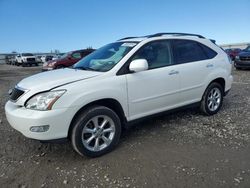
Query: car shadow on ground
[{"x": 129, "y": 135}]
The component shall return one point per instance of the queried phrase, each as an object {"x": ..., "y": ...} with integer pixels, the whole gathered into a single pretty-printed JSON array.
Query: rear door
[
  {"x": 195, "y": 64},
  {"x": 155, "y": 89}
]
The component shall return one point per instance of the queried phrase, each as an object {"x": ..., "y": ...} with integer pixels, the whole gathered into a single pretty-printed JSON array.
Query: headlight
[
  {"x": 237, "y": 57},
  {"x": 44, "y": 101}
]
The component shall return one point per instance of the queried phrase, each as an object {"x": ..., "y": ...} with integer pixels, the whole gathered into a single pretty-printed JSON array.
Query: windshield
[
  {"x": 105, "y": 58},
  {"x": 27, "y": 54},
  {"x": 248, "y": 49},
  {"x": 64, "y": 55}
]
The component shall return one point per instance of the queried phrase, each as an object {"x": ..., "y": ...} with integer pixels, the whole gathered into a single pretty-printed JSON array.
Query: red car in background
[
  {"x": 67, "y": 59},
  {"x": 233, "y": 52}
]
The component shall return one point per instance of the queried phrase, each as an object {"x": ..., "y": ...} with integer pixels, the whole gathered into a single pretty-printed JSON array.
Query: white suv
[
  {"x": 25, "y": 59},
  {"x": 127, "y": 80}
]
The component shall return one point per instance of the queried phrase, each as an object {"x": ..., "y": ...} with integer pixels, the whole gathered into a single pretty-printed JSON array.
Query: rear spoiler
[{"x": 213, "y": 41}]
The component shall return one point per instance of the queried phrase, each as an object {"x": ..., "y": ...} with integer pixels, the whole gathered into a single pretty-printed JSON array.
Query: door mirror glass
[{"x": 138, "y": 65}]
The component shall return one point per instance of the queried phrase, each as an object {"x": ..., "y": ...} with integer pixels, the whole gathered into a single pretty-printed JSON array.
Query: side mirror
[{"x": 138, "y": 65}]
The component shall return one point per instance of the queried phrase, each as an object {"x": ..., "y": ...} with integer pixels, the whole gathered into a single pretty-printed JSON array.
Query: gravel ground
[{"x": 184, "y": 149}]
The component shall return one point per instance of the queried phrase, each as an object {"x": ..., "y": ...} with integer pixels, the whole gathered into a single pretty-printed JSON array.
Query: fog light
[{"x": 42, "y": 128}]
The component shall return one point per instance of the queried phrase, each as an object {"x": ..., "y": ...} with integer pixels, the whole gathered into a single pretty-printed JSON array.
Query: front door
[{"x": 155, "y": 89}]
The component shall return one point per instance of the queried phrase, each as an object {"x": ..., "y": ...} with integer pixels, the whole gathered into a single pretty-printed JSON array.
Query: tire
[
  {"x": 84, "y": 129},
  {"x": 216, "y": 99}
]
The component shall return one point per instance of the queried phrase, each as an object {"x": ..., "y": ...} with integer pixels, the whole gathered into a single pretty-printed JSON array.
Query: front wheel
[
  {"x": 212, "y": 99},
  {"x": 96, "y": 131}
]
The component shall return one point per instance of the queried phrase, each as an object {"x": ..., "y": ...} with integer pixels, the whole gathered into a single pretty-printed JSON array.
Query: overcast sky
[{"x": 44, "y": 25}]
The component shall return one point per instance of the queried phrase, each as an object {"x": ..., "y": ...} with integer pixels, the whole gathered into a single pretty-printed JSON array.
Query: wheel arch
[
  {"x": 220, "y": 81},
  {"x": 111, "y": 103}
]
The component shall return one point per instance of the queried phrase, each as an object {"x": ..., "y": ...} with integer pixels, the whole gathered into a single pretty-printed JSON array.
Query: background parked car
[
  {"x": 242, "y": 60},
  {"x": 67, "y": 59},
  {"x": 8, "y": 59},
  {"x": 25, "y": 59},
  {"x": 38, "y": 58},
  {"x": 233, "y": 52},
  {"x": 46, "y": 58},
  {"x": 13, "y": 60}
]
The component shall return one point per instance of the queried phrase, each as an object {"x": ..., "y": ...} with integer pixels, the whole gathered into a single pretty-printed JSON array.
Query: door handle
[
  {"x": 209, "y": 65},
  {"x": 173, "y": 72}
]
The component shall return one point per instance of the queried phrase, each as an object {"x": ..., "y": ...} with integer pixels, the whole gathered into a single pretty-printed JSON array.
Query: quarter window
[
  {"x": 209, "y": 52},
  {"x": 186, "y": 51},
  {"x": 157, "y": 53}
]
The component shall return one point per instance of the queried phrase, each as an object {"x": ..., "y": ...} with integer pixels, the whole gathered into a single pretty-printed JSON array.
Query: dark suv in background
[
  {"x": 67, "y": 59},
  {"x": 242, "y": 60}
]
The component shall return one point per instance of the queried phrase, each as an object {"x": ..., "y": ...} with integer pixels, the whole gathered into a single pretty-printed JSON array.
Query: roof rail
[
  {"x": 213, "y": 41},
  {"x": 161, "y": 34},
  {"x": 127, "y": 38},
  {"x": 178, "y": 34}
]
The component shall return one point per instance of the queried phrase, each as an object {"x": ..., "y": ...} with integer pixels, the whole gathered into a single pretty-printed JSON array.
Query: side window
[
  {"x": 157, "y": 53},
  {"x": 209, "y": 52},
  {"x": 186, "y": 51},
  {"x": 76, "y": 55}
]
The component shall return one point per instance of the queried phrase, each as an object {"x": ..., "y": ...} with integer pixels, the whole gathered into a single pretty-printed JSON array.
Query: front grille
[
  {"x": 30, "y": 59},
  {"x": 245, "y": 58},
  {"x": 16, "y": 93}
]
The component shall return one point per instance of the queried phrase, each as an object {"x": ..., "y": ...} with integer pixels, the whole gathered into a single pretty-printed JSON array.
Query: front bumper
[
  {"x": 241, "y": 64},
  {"x": 23, "y": 119}
]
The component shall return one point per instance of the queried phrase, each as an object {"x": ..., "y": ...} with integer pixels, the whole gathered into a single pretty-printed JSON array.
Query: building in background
[
  {"x": 236, "y": 45},
  {"x": 224, "y": 46}
]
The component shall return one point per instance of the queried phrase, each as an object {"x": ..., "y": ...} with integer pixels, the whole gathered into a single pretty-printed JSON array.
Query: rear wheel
[
  {"x": 96, "y": 131},
  {"x": 212, "y": 99}
]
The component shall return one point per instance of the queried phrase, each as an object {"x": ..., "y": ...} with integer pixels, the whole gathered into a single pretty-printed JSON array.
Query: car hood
[
  {"x": 51, "y": 79},
  {"x": 244, "y": 54}
]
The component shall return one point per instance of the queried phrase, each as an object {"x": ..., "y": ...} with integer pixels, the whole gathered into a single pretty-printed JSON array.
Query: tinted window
[
  {"x": 157, "y": 53},
  {"x": 86, "y": 52},
  {"x": 209, "y": 52},
  {"x": 188, "y": 51}
]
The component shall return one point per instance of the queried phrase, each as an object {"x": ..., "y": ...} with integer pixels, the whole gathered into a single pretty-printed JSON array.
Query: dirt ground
[{"x": 184, "y": 149}]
